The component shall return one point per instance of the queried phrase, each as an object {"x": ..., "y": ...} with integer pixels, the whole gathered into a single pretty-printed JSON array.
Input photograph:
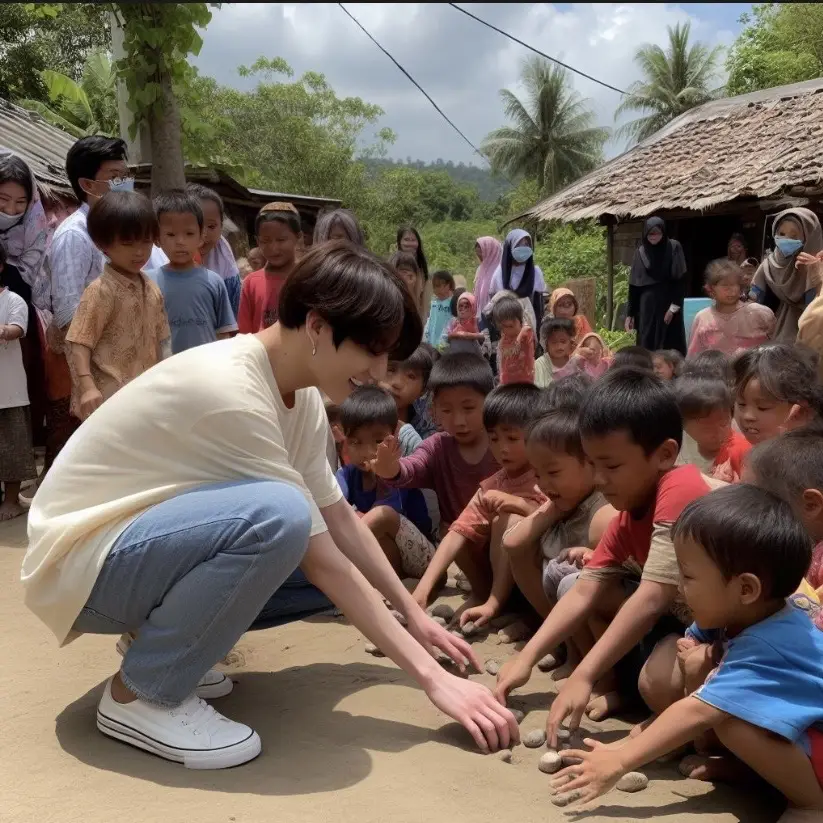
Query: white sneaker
[
  {"x": 213, "y": 684},
  {"x": 193, "y": 733}
]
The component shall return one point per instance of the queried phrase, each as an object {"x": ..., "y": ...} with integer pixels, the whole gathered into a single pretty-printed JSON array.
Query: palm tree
[
  {"x": 553, "y": 140},
  {"x": 676, "y": 80},
  {"x": 87, "y": 107}
]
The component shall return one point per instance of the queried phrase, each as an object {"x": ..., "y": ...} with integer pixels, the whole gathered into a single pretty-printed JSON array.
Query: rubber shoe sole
[{"x": 222, "y": 758}]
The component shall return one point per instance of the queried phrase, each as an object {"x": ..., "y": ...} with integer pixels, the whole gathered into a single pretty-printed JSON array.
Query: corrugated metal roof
[{"x": 41, "y": 145}]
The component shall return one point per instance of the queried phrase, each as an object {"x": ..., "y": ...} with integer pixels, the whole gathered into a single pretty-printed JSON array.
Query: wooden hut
[{"x": 727, "y": 166}]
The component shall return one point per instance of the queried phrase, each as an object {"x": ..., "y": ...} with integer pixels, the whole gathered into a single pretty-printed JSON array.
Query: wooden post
[{"x": 610, "y": 275}]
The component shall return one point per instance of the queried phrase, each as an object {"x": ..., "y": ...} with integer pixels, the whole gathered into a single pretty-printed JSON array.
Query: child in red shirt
[
  {"x": 516, "y": 349},
  {"x": 706, "y": 406},
  {"x": 278, "y": 235}
]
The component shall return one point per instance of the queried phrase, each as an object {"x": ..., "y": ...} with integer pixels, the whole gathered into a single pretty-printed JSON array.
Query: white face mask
[{"x": 8, "y": 221}]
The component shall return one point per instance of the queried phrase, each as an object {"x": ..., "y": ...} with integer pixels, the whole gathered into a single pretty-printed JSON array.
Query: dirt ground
[{"x": 346, "y": 738}]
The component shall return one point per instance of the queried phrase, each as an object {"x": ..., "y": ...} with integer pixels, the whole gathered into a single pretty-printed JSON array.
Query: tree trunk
[{"x": 166, "y": 136}]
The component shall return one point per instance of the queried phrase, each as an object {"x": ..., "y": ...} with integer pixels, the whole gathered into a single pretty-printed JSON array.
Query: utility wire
[
  {"x": 536, "y": 51},
  {"x": 412, "y": 80}
]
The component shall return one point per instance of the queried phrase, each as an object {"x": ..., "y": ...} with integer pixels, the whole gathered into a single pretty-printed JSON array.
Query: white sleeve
[{"x": 18, "y": 312}]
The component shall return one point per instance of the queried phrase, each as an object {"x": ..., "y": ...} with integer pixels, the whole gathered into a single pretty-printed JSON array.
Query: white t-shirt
[
  {"x": 212, "y": 414},
  {"x": 13, "y": 391}
]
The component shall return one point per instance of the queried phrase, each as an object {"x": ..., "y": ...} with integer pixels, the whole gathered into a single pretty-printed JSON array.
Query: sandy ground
[{"x": 346, "y": 738}]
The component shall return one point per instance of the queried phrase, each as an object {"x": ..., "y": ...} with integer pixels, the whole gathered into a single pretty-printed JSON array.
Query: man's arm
[{"x": 71, "y": 259}]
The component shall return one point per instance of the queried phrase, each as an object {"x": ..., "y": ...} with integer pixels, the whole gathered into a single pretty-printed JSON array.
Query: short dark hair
[
  {"x": 357, "y": 294},
  {"x": 558, "y": 430},
  {"x": 86, "y": 156},
  {"x": 700, "y": 396},
  {"x": 127, "y": 216},
  {"x": 178, "y": 201},
  {"x": 789, "y": 464},
  {"x": 329, "y": 220},
  {"x": 287, "y": 217},
  {"x": 506, "y": 309},
  {"x": 673, "y": 358},
  {"x": 462, "y": 369},
  {"x": 634, "y": 401},
  {"x": 567, "y": 391},
  {"x": 444, "y": 276},
  {"x": 422, "y": 359},
  {"x": 205, "y": 193},
  {"x": 634, "y": 357},
  {"x": 13, "y": 169},
  {"x": 787, "y": 373},
  {"x": 404, "y": 260},
  {"x": 710, "y": 363},
  {"x": 554, "y": 325},
  {"x": 511, "y": 405},
  {"x": 746, "y": 529},
  {"x": 366, "y": 406}
]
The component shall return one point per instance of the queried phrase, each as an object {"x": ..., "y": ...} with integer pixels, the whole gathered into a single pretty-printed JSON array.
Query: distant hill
[{"x": 488, "y": 186}]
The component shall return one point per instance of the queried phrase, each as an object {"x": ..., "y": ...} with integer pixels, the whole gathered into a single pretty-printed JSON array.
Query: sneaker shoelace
[{"x": 198, "y": 714}]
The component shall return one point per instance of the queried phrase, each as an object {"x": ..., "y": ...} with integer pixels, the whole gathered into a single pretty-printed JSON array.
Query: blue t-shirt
[
  {"x": 440, "y": 313},
  {"x": 408, "y": 502},
  {"x": 772, "y": 675},
  {"x": 197, "y": 305}
]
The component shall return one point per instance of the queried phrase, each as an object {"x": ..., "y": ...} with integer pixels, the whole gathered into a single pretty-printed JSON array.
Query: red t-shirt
[
  {"x": 259, "y": 298},
  {"x": 644, "y": 544},
  {"x": 516, "y": 360},
  {"x": 728, "y": 465}
]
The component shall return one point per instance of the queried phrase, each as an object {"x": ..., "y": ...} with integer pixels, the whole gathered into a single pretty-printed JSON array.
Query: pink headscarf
[
  {"x": 469, "y": 325},
  {"x": 491, "y": 251}
]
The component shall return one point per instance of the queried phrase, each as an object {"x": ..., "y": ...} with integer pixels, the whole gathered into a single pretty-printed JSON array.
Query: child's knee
[
  {"x": 661, "y": 682},
  {"x": 382, "y": 520}
]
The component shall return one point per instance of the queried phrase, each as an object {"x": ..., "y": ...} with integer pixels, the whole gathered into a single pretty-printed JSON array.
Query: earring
[{"x": 314, "y": 349}]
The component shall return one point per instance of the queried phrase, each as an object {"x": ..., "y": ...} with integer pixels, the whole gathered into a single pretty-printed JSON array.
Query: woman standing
[
  {"x": 657, "y": 288},
  {"x": 181, "y": 508},
  {"x": 737, "y": 252},
  {"x": 408, "y": 240},
  {"x": 489, "y": 251}
]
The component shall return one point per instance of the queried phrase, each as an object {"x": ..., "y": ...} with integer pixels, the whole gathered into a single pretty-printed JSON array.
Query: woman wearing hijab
[
  {"x": 489, "y": 251},
  {"x": 787, "y": 279},
  {"x": 737, "y": 252},
  {"x": 518, "y": 273},
  {"x": 657, "y": 288},
  {"x": 23, "y": 235}
]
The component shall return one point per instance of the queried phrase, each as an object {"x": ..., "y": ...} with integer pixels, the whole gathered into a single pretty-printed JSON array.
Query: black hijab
[{"x": 655, "y": 262}]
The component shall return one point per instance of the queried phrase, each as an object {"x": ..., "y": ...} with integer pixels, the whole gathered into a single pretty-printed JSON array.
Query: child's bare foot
[
  {"x": 638, "y": 729},
  {"x": 563, "y": 672},
  {"x": 9, "y": 509},
  {"x": 604, "y": 705},
  {"x": 718, "y": 768}
]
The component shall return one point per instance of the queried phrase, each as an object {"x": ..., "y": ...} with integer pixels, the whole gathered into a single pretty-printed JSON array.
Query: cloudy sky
[{"x": 461, "y": 63}]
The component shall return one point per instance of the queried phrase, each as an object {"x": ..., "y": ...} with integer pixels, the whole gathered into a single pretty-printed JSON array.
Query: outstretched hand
[
  {"x": 597, "y": 774},
  {"x": 513, "y": 673},
  {"x": 571, "y": 702},
  {"x": 479, "y": 615},
  {"x": 431, "y": 636},
  {"x": 387, "y": 462}
]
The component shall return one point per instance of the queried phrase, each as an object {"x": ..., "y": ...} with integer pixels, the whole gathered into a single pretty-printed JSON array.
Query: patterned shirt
[
  {"x": 123, "y": 321},
  {"x": 72, "y": 262}
]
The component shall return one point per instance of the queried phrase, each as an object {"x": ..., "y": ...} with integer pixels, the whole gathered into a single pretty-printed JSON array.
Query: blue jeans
[{"x": 192, "y": 574}]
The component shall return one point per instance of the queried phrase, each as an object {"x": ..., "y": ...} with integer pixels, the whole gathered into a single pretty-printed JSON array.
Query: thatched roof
[{"x": 765, "y": 144}]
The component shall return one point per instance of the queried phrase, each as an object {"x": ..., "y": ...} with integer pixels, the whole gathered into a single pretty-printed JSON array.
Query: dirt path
[{"x": 346, "y": 738}]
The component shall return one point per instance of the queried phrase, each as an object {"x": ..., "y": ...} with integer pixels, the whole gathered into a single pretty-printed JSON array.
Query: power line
[
  {"x": 421, "y": 89},
  {"x": 536, "y": 51}
]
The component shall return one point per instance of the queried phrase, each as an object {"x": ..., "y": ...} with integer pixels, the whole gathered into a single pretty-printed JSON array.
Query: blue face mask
[
  {"x": 122, "y": 184},
  {"x": 787, "y": 246},
  {"x": 521, "y": 253}
]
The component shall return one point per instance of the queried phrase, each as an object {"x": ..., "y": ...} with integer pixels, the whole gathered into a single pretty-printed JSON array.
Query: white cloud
[{"x": 462, "y": 64}]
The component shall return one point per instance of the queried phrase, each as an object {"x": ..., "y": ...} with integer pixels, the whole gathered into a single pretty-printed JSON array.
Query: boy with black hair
[
  {"x": 634, "y": 357},
  {"x": 278, "y": 231},
  {"x": 475, "y": 538},
  {"x": 120, "y": 328},
  {"x": 557, "y": 335},
  {"x": 407, "y": 381},
  {"x": 763, "y": 700},
  {"x": 515, "y": 351},
  {"x": 398, "y": 518},
  {"x": 440, "y": 314},
  {"x": 706, "y": 406},
  {"x": 197, "y": 302},
  {"x": 631, "y": 431}
]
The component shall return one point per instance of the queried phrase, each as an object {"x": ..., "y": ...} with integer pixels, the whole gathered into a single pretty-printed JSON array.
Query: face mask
[
  {"x": 9, "y": 220},
  {"x": 787, "y": 246},
  {"x": 521, "y": 253},
  {"x": 122, "y": 184}
]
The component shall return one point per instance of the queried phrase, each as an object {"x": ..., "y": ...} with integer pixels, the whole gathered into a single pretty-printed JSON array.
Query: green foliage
[
  {"x": 35, "y": 37},
  {"x": 781, "y": 43},
  {"x": 617, "y": 340},
  {"x": 676, "y": 80},
  {"x": 553, "y": 139}
]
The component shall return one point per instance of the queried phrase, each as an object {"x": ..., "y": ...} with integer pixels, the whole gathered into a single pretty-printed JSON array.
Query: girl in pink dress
[{"x": 592, "y": 357}]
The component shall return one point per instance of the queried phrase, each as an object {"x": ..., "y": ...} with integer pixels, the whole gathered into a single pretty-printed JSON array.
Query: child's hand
[
  {"x": 512, "y": 675},
  {"x": 479, "y": 615},
  {"x": 90, "y": 400},
  {"x": 503, "y": 503},
  {"x": 577, "y": 556},
  {"x": 571, "y": 702},
  {"x": 806, "y": 259},
  {"x": 597, "y": 774},
  {"x": 387, "y": 462}
]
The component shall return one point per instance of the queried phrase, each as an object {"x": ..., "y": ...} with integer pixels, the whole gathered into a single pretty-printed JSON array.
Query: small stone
[
  {"x": 373, "y": 650},
  {"x": 633, "y": 782},
  {"x": 440, "y": 621},
  {"x": 399, "y": 618},
  {"x": 565, "y": 799},
  {"x": 464, "y": 584},
  {"x": 511, "y": 634},
  {"x": 518, "y": 715},
  {"x": 442, "y": 610},
  {"x": 547, "y": 663},
  {"x": 549, "y": 763},
  {"x": 505, "y": 755},
  {"x": 492, "y": 667},
  {"x": 534, "y": 739},
  {"x": 468, "y": 629},
  {"x": 563, "y": 734}
]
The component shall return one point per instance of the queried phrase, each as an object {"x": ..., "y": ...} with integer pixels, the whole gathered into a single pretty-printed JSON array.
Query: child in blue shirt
[
  {"x": 742, "y": 554},
  {"x": 440, "y": 312},
  {"x": 398, "y": 518},
  {"x": 196, "y": 299}
]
